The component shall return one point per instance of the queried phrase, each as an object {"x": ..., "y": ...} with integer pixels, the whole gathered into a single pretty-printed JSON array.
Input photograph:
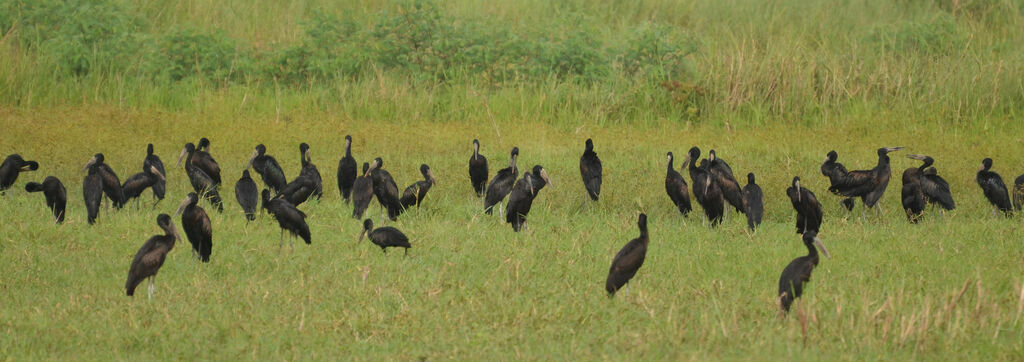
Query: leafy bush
[
  {"x": 331, "y": 48},
  {"x": 187, "y": 52},
  {"x": 938, "y": 37}
]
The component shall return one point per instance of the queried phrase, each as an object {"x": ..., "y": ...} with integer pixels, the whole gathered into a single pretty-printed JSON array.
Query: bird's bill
[
  {"x": 512, "y": 163},
  {"x": 982, "y": 167},
  {"x": 92, "y": 161},
  {"x": 796, "y": 185},
  {"x": 430, "y": 174},
  {"x": 893, "y": 149},
  {"x": 821, "y": 246},
  {"x": 157, "y": 173},
  {"x": 361, "y": 234},
  {"x": 707, "y": 185},
  {"x": 181, "y": 156},
  {"x": 27, "y": 167},
  {"x": 252, "y": 158},
  {"x": 174, "y": 231},
  {"x": 184, "y": 203},
  {"x": 308, "y": 156},
  {"x": 916, "y": 157},
  {"x": 348, "y": 143},
  {"x": 711, "y": 156},
  {"x": 686, "y": 161},
  {"x": 544, "y": 175}
]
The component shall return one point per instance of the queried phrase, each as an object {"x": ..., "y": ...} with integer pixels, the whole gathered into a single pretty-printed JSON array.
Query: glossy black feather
[
  {"x": 56, "y": 195},
  {"x": 722, "y": 175},
  {"x": 415, "y": 193},
  {"x": 677, "y": 189},
  {"x": 753, "y": 202},
  {"x": 12, "y": 166},
  {"x": 385, "y": 189},
  {"x": 478, "y": 171},
  {"x": 197, "y": 227},
  {"x": 268, "y": 169},
  {"x": 798, "y": 273},
  {"x": 151, "y": 255},
  {"x": 808, "y": 209},
  {"x": 247, "y": 194},
  {"x": 92, "y": 190},
  {"x": 705, "y": 190},
  {"x": 310, "y": 172},
  {"x": 993, "y": 187},
  {"x": 629, "y": 259},
  {"x": 152, "y": 160},
  {"x": 347, "y": 171},
  {"x": 362, "y": 192},
  {"x": 288, "y": 216},
  {"x": 386, "y": 237},
  {"x": 590, "y": 170},
  {"x": 502, "y": 183}
]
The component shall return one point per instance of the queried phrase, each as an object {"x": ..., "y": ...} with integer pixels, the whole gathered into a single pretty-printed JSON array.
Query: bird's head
[
  {"x": 885, "y": 150},
  {"x": 986, "y": 164},
  {"x": 428, "y": 174},
  {"x": 796, "y": 185},
  {"x": 366, "y": 168},
  {"x": 204, "y": 144},
  {"x": 149, "y": 149},
  {"x": 693, "y": 155},
  {"x": 190, "y": 199},
  {"x": 367, "y": 227},
  {"x": 260, "y": 150},
  {"x": 590, "y": 145},
  {"x": 750, "y": 178},
  {"x": 811, "y": 240},
  {"x": 831, "y": 156},
  {"x": 29, "y": 166},
  {"x": 96, "y": 159},
  {"x": 304, "y": 152},
  {"x": 711, "y": 156},
  {"x": 164, "y": 221},
  {"x": 189, "y": 148},
  {"x": 542, "y": 174},
  {"x": 641, "y": 222}
]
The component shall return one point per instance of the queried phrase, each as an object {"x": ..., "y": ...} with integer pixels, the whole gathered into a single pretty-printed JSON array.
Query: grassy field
[{"x": 771, "y": 86}]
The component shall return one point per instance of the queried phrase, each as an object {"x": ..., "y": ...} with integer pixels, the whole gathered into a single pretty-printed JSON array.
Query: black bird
[
  {"x": 590, "y": 170},
  {"x": 310, "y": 171},
  {"x": 705, "y": 190},
  {"x": 385, "y": 189},
  {"x": 722, "y": 175},
  {"x": 247, "y": 194},
  {"x": 415, "y": 193},
  {"x": 92, "y": 190},
  {"x": 520, "y": 200},
  {"x": 197, "y": 226},
  {"x": 1018, "y": 192},
  {"x": 995, "y": 190},
  {"x": 201, "y": 159},
  {"x": 798, "y": 272},
  {"x": 869, "y": 185},
  {"x": 922, "y": 186},
  {"x": 808, "y": 210},
  {"x": 134, "y": 186},
  {"x": 502, "y": 183},
  {"x": 201, "y": 182},
  {"x": 111, "y": 184},
  {"x": 56, "y": 195},
  {"x": 151, "y": 256},
  {"x": 288, "y": 217},
  {"x": 362, "y": 192},
  {"x": 753, "y": 202},
  {"x": 267, "y": 167},
  {"x": 347, "y": 171},
  {"x": 676, "y": 187},
  {"x": 152, "y": 160},
  {"x": 478, "y": 170},
  {"x": 12, "y": 166},
  {"x": 628, "y": 260},
  {"x": 299, "y": 190},
  {"x": 835, "y": 172},
  {"x": 385, "y": 237}
]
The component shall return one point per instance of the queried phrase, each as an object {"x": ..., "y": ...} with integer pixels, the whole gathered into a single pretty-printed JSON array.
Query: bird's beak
[
  {"x": 893, "y": 149},
  {"x": 182, "y": 156},
  {"x": 181, "y": 208},
  {"x": 798, "y": 193},
  {"x": 512, "y": 164},
  {"x": 91, "y": 162},
  {"x": 430, "y": 173},
  {"x": 916, "y": 157},
  {"x": 981, "y": 168},
  {"x": 544, "y": 175},
  {"x": 532, "y": 192},
  {"x": 252, "y": 158},
  {"x": 361, "y": 234},
  {"x": 29, "y": 166},
  {"x": 821, "y": 246},
  {"x": 686, "y": 161},
  {"x": 308, "y": 157},
  {"x": 157, "y": 172},
  {"x": 707, "y": 185},
  {"x": 174, "y": 231}
]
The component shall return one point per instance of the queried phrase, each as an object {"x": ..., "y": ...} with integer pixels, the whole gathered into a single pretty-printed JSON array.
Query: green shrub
[
  {"x": 941, "y": 36},
  {"x": 187, "y": 52}
]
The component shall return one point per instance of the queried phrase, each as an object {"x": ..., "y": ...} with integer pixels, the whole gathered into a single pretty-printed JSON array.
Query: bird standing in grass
[
  {"x": 197, "y": 227},
  {"x": 247, "y": 195},
  {"x": 309, "y": 170},
  {"x": 268, "y": 168},
  {"x": 993, "y": 187},
  {"x": 415, "y": 193},
  {"x": 590, "y": 170},
  {"x": 385, "y": 237},
  {"x": 111, "y": 184},
  {"x": 135, "y": 184},
  {"x": 676, "y": 187},
  {"x": 347, "y": 170},
  {"x": 288, "y": 218},
  {"x": 385, "y": 188},
  {"x": 798, "y": 272},
  {"x": 478, "y": 170},
  {"x": 869, "y": 185},
  {"x": 151, "y": 256},
  {"x": 201, "y": 158},
  {"x": 362, "y": 192},
  {"x": 721, "y": 175},
  {"x": 520, "y": 200},
  {"x": 923, "y": 186},
  {"x": 11, "y": 167},
  {"x": 705, "y": 190},
  {"x": 56, "y": 195},
  {"x": 808, "y": 210},
  {"x": 629, "y": 259},
  {"x": 502, "y": 183},
  {"x": 153, "y": 161},
  {"x": 92, "y": 191},
  {"x": 753, "y": 202}
]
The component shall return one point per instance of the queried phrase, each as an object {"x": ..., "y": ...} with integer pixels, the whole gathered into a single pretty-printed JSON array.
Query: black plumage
[
  {"x": 993, "y": 187},
  {"x": 347, "y": 171},
  {"x": 247, "y": 194},
  {"x": 753, "y": 202},
  {"x": 385, "y": 188},
  {"x": 201, "y": 158},
  {"x": 197, "y": 226},
  {"x": 151, "y": 256},
  {"x": 721, "y": 174},
  {"x": 152, "y": 160},
  {"x": 629, "y": 259},
  {"x": 268, "y": 168},
  {"x": 869, "y": 185},
  {"x": 385, "y": 237},
  {"x": 705, "y": 190},
  {"x": 502, "y": 183},
  {"x": 808, "y": 210},
  {"x": 56, "y": 195},
  {"x": 415, "y": 193},
  {"x": 520, "y": 200},
  {"x": 92, "y": 190},
  {"x": 1018, "y": 192},
  {"x": 923, "y": 186},
  {"x": 111, "y": 184},
  {"x": 12, "y": 166},
  {"x": 676, "y": 187},
  {"x": 362, "y": 192},
  {"x": 135, "y": 184},
  {"x": 288, "y": 217},
  {"x": 590, "y": 170},
  {"x": 835, "y": 172},
  {"x": 310, "y": 172},
  {"x": 478, "y": 170},
  {"x": 299, "y": 190},
  {"x": 201, "y": 182},
  {"x": 798, "y": 272}
]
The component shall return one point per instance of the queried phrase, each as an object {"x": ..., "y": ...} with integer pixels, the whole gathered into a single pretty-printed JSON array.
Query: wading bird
[
  {"x": 201, "y": 158},
  {"x": 835, "y": 172},
  {"x": 1018, "y": 192},
  {"x": 299, "y": 190},
  {"x": 676, "y": 187},
  {"x": 995, "y": 190},
  {"x": 478, "y": 170},
  {"x": 385, "y": 188},
  {"x": 628, "y": 260},
  {"x": 267, "y": 167},
  {"x": 152, "y": 160},
  {"x": 288, "y": 218},
  {"x": 247, "y": 194},
  {"x": 415, "y": 193},
  {"x": 347, "y": 170},
  {"x": 201, "y": 182},
  {"x": 362, "y": 192},
  {"x": 111, "y": 184},
  {"x": 385, "y": 237},
  {"x": 502, "y": 183},
  {"x": 869, "y": 185},
  {"x": 922, "y": 186},
  {"x": 520, "y": 200},
  {"x": 753, "y": 202},
  {"x": 310, "y": 171},
  {"x": 135, "y": 184},
  {"x": 798, "y": 272},
  {"x": 705, "y": 190},
  {"x": 590, "y": 170},
  {"x": 56, "y": 195},
  {"x": 151, "y": 256},
  {"x": 92, "y": 190},
  {"x": 12, "y": 166},
  {"x": 197, "y": 227},
  {"x": 721, "y": 174},
  {"x": 808, "y": 210}
]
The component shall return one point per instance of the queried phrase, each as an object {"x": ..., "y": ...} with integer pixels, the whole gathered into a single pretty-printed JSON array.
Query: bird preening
[
  {"x": 56, "y": 195},
  {"x": 11, "y": 167},
  {"x": 923, "y": 186}
]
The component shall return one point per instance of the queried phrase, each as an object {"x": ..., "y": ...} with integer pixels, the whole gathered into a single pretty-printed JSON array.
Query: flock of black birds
[{"x": 713, "y": 186}]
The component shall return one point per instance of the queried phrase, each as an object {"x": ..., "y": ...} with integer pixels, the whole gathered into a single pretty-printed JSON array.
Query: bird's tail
[{"x": 33, "y": 187}]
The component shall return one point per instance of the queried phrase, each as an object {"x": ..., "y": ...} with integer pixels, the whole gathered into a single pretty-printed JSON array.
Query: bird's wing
[
  {"x": 937, "y": 189},
  {"x": 630, "y": 257}
]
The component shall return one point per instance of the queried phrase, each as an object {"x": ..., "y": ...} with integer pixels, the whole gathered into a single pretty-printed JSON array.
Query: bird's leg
[
  {"x": 151, "y": 283},
  {"x": 280, "y": 242},
  {"x": 291, "y": 242},
  {"x": 501, "y": 208},
  {"x": 406, "y": 252}
]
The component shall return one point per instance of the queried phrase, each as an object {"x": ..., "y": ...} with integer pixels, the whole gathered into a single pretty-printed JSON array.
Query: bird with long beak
[
  {"x": 798, "y": 272},
  {"x": 808, "y": 210},
  {"x": 197, "y": 226},
  {"x": 151, "y": 256},
  {"x": 869, "y": 185},
  {"x": 134, "y": 185},
  {"x": 11, "y": 167},
  {"x": 414, "y": 194},
  {"x": 268, "y": 168},
  {"x": 384, "y": 237}
]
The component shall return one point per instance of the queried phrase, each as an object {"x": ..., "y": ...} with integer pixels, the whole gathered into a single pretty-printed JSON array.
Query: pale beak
[
  {"x": 544, "y": 175},
  {"x": 157, "y": 172},
  {"x": 308, "y": 157},
  {"x": 174, "y": 231},
  {"x": 893, "y": 149},
  {"x": 182, "y": 156},
  {"x": 91, "y": 162},
  {"x": 821, "y": 246},
  {"x": 361, "y": 234},
  {"x": 252, "y": 158},
  {"x": 430, "y": 173},
  {"x": 184, "y": 203},
  {"x": 798, "y": 193}
]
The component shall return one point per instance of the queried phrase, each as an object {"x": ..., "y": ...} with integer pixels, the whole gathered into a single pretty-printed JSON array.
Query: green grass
[{"x": 470, "y": 288}]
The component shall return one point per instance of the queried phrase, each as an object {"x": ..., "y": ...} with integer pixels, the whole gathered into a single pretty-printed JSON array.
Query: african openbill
[
  {"x": 288, "y": 218},
  {"x": 415, "y": 193},
  {"x": 111, "y": 184},
  {"x": 135, "y": 184},
  {"x": 520, "y": 200},
  {"x": 247, "y": 194},
  {"x": 151, "y": 256},
  {"x": 1018, "y": 192},
  {"x": 478, "y": 170},
  {"x": 197, "y": 226},
  {"x": 808, "y": 210},
  {"x": 590, "y": 170},
  {"x": 201, "y": 182},
  {"x": 12, "y": 166},
  {"x": 347, "y": 170},
  {"x": 201, "y": 159},
  {"x": 722, "y": 175},
  {"x": 869, "y": 185},
  {"x": 502, "y": 183},
  {"x": 753, "y": 202},
  {"x": 92, "y": 190},
  {"x": 835, "y": 171},
  {"x": 362, "y": 192},
  {"x": 310, "y": 171},
  {"x": 385, "y": 237},
  {"x": 385, "y": 189},
  {"x": 299, "y": 190},
  {"x": 798, "y": 272},
  {"x": 56, "y": 195},
  {"x": 152, "y": 160},
  {"x": 676, "y": 187},
  {"x": 705, "y": 190},
  {"x": 629, "y": 259},
  {"x": 921, "y": 187},
  {"x": 995, "y": 190},
  {"x": 267, "y": 167}
]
